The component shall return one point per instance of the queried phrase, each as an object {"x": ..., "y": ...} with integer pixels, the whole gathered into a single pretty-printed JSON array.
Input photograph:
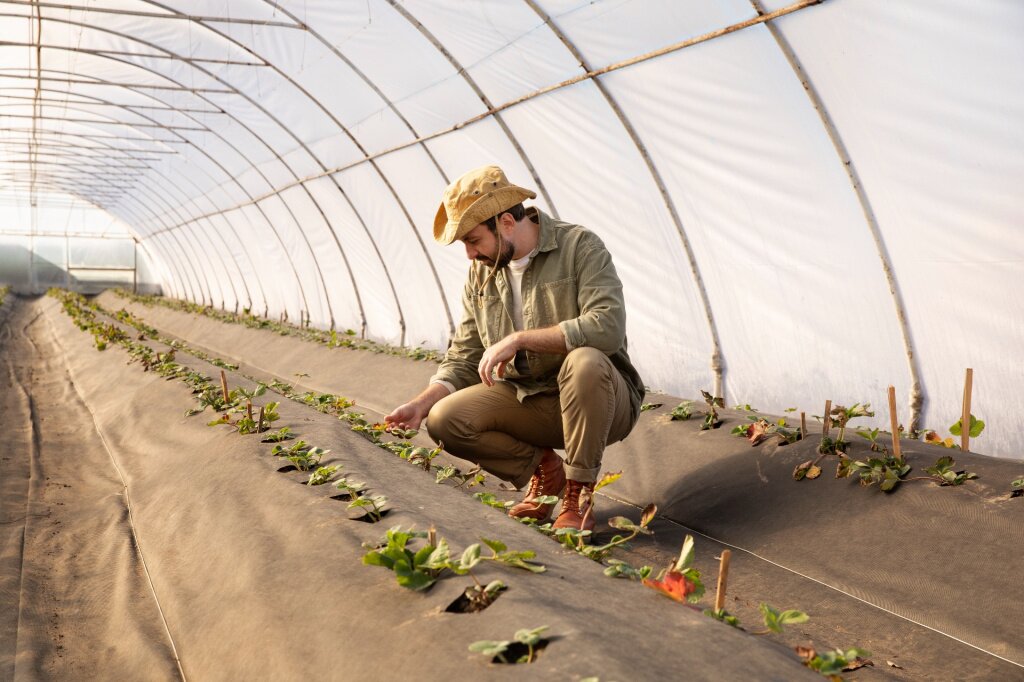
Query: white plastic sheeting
[{"x": 815, "y": 206}]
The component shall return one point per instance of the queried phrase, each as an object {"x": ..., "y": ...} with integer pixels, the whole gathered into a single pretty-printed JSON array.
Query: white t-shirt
[{"x": 516, "y": 268}]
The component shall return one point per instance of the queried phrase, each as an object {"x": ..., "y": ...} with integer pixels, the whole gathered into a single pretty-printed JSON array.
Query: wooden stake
[
  {"x": 259, "y": 424},
  {"x": 248, "y": 409},
  {"x": 826, "y": 422},
  {"x": 965, "y": 420},
  {"x": 894, "y": 424},
  {"x": 224, "y": 385},
  {"x": 803, "y": 425},
  {"x": 723, "y": 576}
]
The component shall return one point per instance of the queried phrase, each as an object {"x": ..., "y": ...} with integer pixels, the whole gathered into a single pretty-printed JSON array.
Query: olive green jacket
[{"x": 571, "y": 282}]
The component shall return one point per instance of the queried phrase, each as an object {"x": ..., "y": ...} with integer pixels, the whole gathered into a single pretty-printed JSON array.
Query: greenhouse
[{"x": 513, "y": 339}]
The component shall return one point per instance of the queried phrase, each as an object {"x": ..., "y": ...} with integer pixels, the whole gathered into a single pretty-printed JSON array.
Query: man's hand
[
  {"x": 496, "y": 356},
  {"x": 409, "y": 415},
  {"x": 406, "y": 416}
]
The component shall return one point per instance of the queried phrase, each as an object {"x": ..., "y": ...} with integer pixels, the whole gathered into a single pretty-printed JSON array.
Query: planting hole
[
  {"x": 343, "y": 497},
  {"x": 287, "y": 468},
  {"x": 474, "y": 600},
  {"x": 518, "y": 652},
  {"x": 372, "y": 518}
]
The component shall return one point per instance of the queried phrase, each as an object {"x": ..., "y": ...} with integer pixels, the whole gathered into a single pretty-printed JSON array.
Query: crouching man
[{"x": 539, "y": 360}]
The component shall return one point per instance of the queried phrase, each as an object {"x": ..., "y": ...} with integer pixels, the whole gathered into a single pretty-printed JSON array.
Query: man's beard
[{"x": 506, "y": 251}]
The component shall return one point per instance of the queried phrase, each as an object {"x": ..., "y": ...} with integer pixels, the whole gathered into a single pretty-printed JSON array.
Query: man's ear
[{"x": 507, "y": 223}]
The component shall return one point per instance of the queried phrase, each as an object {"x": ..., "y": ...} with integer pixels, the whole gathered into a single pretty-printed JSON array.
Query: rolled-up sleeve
[
  {"x": 458, "y": 369},
  {"x": 601, "y": 323}
]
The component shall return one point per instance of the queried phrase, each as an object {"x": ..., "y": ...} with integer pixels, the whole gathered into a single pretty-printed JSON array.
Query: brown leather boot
[
  {"x": 548, "y": 479},
  {"x": 577, "y": 507}
]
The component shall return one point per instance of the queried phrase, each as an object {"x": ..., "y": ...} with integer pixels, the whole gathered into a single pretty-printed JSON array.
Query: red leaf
[{"x": 674, "y": 585}]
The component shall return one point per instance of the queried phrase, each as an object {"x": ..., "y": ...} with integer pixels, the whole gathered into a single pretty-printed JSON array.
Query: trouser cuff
[
  {"x": 522, "y": 479},
  {"x": 581, "y": 474}
]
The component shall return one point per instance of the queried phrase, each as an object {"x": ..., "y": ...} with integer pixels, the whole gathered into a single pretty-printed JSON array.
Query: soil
[{"x": 252, "y": 576}]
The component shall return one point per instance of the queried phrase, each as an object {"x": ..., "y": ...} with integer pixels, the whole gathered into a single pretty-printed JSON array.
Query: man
[{"x": 539, "y": 361}]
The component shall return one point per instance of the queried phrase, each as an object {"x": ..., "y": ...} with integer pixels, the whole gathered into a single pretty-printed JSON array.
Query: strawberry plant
[
  {"x": 871, "y": 436},
  {"x": 943, "y": 474},
  {"x": 621, "y": 569},
  {"x": 349, "y": 489},
  {"x": 323, "y": 474},
  {"x": 574, "y": 539},
  {"x": 1017, "y": 487},
  {"x": 760, "y": 430},
  {"x": 528, "y": 641},
  {"x": 680, "y": 581},
  {"x": 413, "y": 570},
  {"x": 373, "y": 505},
  {"x": 301, "y": 454},
  {"x": 650, "y": 406},
  {"x": 833, "y": 663},
  {"x": 491, "y": 500},
  {"x": 723, "y": 616},
  {"x": 682, "y": 411},
  {"x": 711, "y": 420},
  {"x": 776, "y": 620},
  {"x": 282, "y": 434},
  {"x": 886, "y": 471}
]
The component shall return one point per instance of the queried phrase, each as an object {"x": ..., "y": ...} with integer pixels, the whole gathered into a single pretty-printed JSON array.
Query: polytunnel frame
[
  {"x": 179, "y": 86},
  {"x": 763, "y": 17},
  {"x": 185, "y": 280}
]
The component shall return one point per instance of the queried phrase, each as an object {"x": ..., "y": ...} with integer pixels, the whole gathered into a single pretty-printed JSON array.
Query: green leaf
[
  {"x": 530, "y": 637},
  {"x": 792, "y": 617},
  {"x": 686, "y": 555},
  {"x": 489, "y": 647},
  {"x": 470, "y": 557},
  {"x": 496, "y": 545},
  {"x": 622, "y": 523}
]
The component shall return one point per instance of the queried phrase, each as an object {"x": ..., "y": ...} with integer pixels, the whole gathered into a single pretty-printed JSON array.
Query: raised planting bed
[
  {"x": 259, "y": 577},
  {"x": 915, "y": 575}
]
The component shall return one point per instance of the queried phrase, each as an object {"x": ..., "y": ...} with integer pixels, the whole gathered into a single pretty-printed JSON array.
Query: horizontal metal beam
[
  {"x": 152, "y": 15},
  {"x": 121, "y": 53},
  {"x": 94, "y": 102},
  {"x": 110, "y": 152},
  {"x": 109, "y": 123},
  {"x": 69, "y": 164},
  {"x": 132, "y": 86},
  {"x": 90, "y": 136}
]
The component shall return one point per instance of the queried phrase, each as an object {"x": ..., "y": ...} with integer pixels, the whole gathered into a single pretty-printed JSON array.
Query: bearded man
[{"x": 539, "y": 360}]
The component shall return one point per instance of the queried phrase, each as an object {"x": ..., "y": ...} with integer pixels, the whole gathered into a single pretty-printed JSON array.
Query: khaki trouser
[{"x": 489, "y": 426}]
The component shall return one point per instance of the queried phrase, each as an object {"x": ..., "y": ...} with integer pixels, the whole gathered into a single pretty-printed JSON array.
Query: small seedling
[
  {"x": 620, "y": 569},
  {"x": 680, "y": 581},
  {"x": 499, "y": 649},
  {"x": 650, "y": 406},
  {"x": 323, "y": 474},
  {"x": 942, "y": 472},
  {"x": 1017, "y": 487},
  {"x": 372, "y": 504},
  {"x": 776, "y": 620},
  {"x": 887, "y": 471},
  {"x": 404, "y": 434},
  {"x": 413, "y": 570},
  {"x": 282, "y": 434},
  {"x": 301, "y": 454},
  {"x": 833, "y": 663},
  {"x": 682, "y": 411},
  {"x": 420, "y": 456},
  {"x": 724, "y": 616},
  {"x": 871, "y": 436},
  {"x": 491, "y": 500},
  {"x": 711, "y": 420}
]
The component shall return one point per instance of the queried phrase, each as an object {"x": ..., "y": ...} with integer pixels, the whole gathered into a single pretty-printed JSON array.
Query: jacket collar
[{"x": 547, "y": 240}]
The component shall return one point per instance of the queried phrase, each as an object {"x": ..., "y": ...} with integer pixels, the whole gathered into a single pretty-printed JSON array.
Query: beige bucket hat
[{"x": 476, "y": 196}]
